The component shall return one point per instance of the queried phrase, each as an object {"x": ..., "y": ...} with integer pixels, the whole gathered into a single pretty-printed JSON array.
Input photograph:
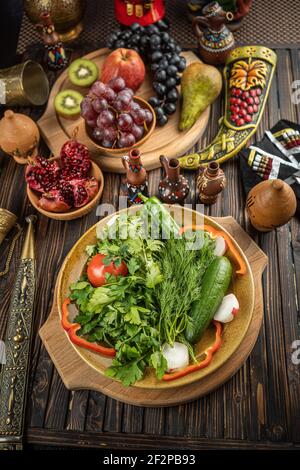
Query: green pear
[{"x": 201, "y": 84}]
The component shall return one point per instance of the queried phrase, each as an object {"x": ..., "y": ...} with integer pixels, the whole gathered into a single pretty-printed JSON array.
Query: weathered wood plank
[
  {"x": 120, "y": 441},
  {"x": 95, "y": 412},
  {"x": 132, "y": 419},
  {"x": 154, "y": 421},
  {"x": 77, "y": 410},
  {"x": 57, "y": 405},
  {"x": 286, "y": 258}
]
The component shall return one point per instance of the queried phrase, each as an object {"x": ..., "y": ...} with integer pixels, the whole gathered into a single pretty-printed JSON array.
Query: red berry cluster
[{"x": 243, "y": 105}]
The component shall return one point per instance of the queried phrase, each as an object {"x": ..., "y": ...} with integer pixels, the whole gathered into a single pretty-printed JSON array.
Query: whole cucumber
[{"x": 215, "y": 283}]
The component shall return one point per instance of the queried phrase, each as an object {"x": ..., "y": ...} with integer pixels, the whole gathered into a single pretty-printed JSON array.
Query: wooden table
[{"x": 259, "y": 407}]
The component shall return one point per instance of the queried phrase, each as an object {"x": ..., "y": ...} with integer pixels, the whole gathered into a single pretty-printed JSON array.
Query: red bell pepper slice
[
  {"x": 200, "y": 365},
  {"x": 72, "y": 328},
  {"x": 242, "y": 267}
]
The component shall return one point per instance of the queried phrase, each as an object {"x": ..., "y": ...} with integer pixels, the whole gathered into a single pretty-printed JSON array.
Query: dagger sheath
[{"x": 13, "y": 380}]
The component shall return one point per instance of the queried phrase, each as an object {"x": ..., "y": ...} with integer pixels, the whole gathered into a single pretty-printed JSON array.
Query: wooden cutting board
[
  {"x": 77, "y": 374},
  {"x": 165, "y": 140}
]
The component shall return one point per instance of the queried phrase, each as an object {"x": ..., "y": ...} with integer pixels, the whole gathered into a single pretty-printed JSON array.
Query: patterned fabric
[
  {"x": 277, "y": 155},
  {"x": 259, "y": 26},
  {"x": 56, "y": 56}
]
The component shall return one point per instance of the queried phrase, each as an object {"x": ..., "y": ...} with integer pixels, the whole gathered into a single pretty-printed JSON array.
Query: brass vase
[
  {"x": 7, "y": 221},
  {"x": 24, "y": 84},
  {"x": 66, "y": 15}
]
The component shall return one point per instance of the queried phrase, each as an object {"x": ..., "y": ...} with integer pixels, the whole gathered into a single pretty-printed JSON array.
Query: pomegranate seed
[
  {"x": 250, "y": 110},
  {"x": 238, "y": 92},
  {"x": 240, "y": 122},
  {"x": 250, "y": 100},
  {"x": 232, "y": 100},
  {"x": 255, "y": 108},
  {"x": 258, "y": 91},
  {"x": 248, "y": 118},
  {"x": 245, "y": 95},
  {"x": 256, "y": 100},
  {"x": 243, "y": 104},
  {"x": 252, "y": 93}
]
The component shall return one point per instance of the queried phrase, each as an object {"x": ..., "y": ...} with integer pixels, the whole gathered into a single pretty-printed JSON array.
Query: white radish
[
  {"x": 221, "y": 246},
  {"x": 177, "y": 356},
  {"x": 228, "y": 309}
]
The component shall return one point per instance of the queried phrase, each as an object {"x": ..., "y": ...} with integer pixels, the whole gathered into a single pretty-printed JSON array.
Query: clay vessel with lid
[
  {"x": 270, "y": 204},
  {"x": 210, "y": 183},
  {"x": 215, "y": 39},
  {"x": 19, "y": 136},
  {"x": 136, "y": 176},
  {"x": 174, "y": 188}
]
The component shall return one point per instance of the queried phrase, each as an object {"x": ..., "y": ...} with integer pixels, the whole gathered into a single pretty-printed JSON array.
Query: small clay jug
[
  {"x": 174, "y": 188},
  {"x": 270, "y": 204},
  {"x": 19, "y": 136},
  {"x": 136, "y": 174},
  {"x": 210, "y": 183},
  {"x": 215, "y": 39}
]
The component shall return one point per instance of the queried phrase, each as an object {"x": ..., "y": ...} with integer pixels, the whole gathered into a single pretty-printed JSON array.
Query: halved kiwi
[
  {"x": 83, "y": 72},
  {"x": 67, "y": 103}
]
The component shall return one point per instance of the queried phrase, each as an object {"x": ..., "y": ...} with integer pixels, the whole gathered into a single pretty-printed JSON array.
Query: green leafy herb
[
  {"x": 183, "y": 270},
  {"x": 137, "y": 313}
]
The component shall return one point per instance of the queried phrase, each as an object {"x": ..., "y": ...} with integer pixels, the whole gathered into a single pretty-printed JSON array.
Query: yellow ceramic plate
[{"x": 233, "y": 332}]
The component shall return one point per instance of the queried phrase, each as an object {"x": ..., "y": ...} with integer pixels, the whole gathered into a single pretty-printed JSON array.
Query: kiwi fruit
[
  {"x": 83, "y": 72},
  {"x": 67, "y": 103}
]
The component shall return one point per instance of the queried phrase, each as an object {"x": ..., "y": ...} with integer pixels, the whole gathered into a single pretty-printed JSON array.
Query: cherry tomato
[{"x": 96, "y": 270}]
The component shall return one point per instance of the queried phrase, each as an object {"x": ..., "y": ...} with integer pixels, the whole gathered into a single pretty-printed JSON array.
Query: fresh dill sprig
[{"x": 182, "y": 271}]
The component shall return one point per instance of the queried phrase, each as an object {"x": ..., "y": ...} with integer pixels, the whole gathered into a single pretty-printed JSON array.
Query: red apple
[{"x": 125, "y": 63}]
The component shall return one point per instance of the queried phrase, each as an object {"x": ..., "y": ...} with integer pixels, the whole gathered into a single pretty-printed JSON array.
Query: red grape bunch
[
  {"x": 116, "y": 119},
  {"x": 243, "y": 105}
]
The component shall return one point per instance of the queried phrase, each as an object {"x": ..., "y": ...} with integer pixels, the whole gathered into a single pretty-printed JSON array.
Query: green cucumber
[{"x": 215, "y": 283}]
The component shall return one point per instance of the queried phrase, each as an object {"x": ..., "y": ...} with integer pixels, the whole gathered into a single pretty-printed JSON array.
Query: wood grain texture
[
  {"x": 167, "y": 140},
  {"x": 251, "y": 409}
]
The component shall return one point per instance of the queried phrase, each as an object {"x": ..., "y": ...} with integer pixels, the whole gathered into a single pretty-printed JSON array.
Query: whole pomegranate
[{"x": 41, "y": 174}]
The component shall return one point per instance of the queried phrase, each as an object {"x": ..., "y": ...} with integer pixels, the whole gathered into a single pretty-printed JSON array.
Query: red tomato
[{"x": 96, "y": 270}]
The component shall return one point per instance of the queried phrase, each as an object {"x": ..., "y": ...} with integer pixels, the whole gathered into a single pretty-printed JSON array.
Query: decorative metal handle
[{"x": 13, "y": 382}]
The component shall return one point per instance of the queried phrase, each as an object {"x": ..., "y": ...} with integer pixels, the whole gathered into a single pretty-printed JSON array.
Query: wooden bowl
[
  {"x": 72, "y": 213},
  {"x": 116, "y": 151},
  {"x": 233, "y": 332}
]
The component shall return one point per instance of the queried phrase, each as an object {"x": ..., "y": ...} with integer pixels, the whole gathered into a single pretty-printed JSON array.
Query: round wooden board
[
  {"x": 77, "y": 374},
  {"x": 165, "y": 140}
]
